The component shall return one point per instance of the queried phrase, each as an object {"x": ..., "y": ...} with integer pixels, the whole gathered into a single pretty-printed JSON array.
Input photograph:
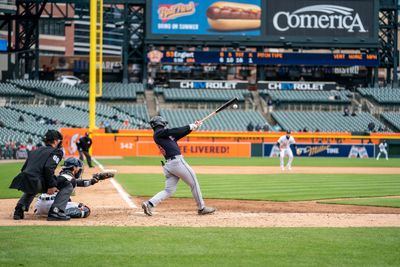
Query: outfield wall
[
  {"x": 139, "y": 143},
  {"x": 324, "y": 150}
]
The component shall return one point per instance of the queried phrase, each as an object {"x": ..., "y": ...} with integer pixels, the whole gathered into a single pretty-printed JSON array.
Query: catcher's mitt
[{"x": 103, "y": 175}]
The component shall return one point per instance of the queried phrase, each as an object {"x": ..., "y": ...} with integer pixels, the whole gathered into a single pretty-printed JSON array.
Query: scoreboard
[{"x": 268, "y": 58}]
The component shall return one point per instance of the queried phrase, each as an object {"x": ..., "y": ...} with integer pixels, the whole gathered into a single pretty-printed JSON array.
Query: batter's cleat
[
  {"x": 19, "y": 213},
  {"x": 147, "y": 208},
  {"x": 57, "y": 215},
  {"x": 206, "y": 210},
  {"x": 282, "y": 168},
  {"x": 289, "y": 168}
]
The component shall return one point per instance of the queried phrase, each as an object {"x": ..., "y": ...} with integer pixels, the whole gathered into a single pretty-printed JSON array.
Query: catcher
[{"x": 72, "y": 171}]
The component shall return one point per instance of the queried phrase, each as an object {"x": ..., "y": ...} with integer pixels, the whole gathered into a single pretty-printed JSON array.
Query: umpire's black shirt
[
  {"x": 166, "y": 139},
  {"x": 84, "y": 143},
  {"x": 37, "y": 174}
]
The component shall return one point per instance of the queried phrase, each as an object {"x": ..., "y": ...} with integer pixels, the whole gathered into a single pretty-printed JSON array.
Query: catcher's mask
[
  {"x": 70, "y": 163},
  {"x": 157, "y": 121}
]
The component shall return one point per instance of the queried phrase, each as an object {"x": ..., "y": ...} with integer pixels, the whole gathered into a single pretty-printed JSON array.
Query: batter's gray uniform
[
  {"x": 173, "y": 170},
  {"x": 175, "y": 167}
]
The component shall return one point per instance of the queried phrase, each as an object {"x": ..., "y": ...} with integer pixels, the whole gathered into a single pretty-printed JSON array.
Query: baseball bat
[{"x": 221, "y": 108}]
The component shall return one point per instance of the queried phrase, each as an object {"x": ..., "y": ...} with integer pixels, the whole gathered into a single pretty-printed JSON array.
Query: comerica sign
[
  {"x": 354, "y": 20},
  {"x": 279, "y": 23},
  {"x": 330, "y": 17}
]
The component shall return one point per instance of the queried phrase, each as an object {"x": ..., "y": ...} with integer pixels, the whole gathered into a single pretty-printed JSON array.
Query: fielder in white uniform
[
  {"x": 382, "y": 149},
  {"x": 284, "y": 143}
]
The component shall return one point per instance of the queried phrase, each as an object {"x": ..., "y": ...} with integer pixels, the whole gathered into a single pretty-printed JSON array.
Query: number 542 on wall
[{"x": 126, "y": 145}]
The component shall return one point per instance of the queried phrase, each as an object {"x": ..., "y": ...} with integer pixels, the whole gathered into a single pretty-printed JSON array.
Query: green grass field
[
  {"x": 277, "y": 187},
  {"x": 121, "y": 246},
  {"x": 170, "y": 246},
  {"x": 377, "y": 202},
  {"x": 258, "y": 161},
  {"x": 7, "y": 173}
]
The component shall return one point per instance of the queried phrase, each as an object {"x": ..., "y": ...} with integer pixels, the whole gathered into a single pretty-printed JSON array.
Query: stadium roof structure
[{"x": 28, "y": 13}]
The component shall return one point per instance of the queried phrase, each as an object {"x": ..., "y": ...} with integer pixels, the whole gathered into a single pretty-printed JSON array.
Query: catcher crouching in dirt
[
  {"x": 175, "y": 167},
  {"x": 72, "y": 171}
]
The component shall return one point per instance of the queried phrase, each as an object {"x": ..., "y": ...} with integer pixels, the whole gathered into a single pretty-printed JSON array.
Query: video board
[{"x": 324, "y": 23}]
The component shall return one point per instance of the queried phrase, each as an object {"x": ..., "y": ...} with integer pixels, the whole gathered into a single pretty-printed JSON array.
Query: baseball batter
[
  {"x": 382, "y": 149},
  {"x": 175, "y": 167},
  {"x": 284, "y": 143}
]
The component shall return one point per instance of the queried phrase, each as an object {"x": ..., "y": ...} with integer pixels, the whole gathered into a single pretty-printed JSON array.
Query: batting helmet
[
  {"x": 69, "y": 163},
  {"x": 158, "y": 121},
  {"x": 51, "y": 136}
]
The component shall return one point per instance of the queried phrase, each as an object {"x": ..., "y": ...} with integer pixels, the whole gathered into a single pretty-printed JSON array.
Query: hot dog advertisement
[{"x": 206, "y": 17}]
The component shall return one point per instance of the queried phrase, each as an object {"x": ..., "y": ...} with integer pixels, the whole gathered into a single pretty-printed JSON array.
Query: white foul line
[{"x": 124, "y": 195}]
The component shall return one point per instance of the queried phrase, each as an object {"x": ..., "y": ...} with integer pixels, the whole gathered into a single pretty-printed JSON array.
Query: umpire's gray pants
[
  {"x": 62, "y": 197},
  {"x": 173, "y": 170}
]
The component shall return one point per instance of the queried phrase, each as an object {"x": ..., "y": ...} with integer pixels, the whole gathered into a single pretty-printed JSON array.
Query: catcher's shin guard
[{"x": 82, "y": 211}]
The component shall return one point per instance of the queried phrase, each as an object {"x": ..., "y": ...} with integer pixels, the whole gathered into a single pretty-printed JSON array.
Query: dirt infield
[
  {"x": 261, "y": 170},
  {"x": 108, "y": 208}
]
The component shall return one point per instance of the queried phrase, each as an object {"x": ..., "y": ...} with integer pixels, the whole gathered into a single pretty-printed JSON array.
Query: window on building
[{"x": 52, "y": 27}]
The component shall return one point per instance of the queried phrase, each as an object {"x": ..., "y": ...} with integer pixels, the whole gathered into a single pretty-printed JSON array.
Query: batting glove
[{"x": 196, "y": 125}]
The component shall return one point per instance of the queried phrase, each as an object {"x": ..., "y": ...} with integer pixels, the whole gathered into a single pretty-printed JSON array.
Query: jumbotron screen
[{"x": 337, "y": 23}]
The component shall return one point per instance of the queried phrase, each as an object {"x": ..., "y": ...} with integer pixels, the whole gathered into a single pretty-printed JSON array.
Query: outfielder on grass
[
  {"x": 382, "y": 149},
  {"x": 72, "y": 171},
  {"x": 284, "y": 143},
  {"x": 175, "y": 167}
]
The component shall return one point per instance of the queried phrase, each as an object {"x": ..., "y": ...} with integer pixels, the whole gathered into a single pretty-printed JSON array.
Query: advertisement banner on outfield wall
[
  {"x": 206, "y": 17},
  {"x": 132, "y": 146},
  {"x": 325, "y": 150},
  {"x": 200, "y": 149}
]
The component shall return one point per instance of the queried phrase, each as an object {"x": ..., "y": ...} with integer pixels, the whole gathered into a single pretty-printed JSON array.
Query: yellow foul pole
[
  {"x": 92, "y": 66},
  {"x": 100, "y": 58}
]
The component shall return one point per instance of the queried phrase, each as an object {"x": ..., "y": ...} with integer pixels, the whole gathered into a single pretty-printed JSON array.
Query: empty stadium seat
[
  {"x": 393, "y": 118},
  {"x": 118, "y": 91},
  {"x": 307, "y": 96},
  {"x": 325, "y": 121},
  {"x": 203, "y": 95},
  {"x": 7, "y": 89},
  {"x": 52, "y": 88},
  {"x": 225, "y": 121},
  {"x": 382, "y": 95}
]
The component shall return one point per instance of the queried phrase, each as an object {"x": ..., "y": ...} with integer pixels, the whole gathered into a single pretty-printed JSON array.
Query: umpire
[
  {"x": 37, "y": 176},
  {"x": 84, "y": 143}
]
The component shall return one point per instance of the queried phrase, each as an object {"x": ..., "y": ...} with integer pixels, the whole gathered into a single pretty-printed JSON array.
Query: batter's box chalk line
[{"x": 123, "y": 194}]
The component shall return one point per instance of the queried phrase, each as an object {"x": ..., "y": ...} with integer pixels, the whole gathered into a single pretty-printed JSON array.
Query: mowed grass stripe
[
  {"x": 378, "y": 202},
  {"x": 170, "y": 246},
  {"x": 282, "y": 187},
  {"x": 258, "y": 161}
]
